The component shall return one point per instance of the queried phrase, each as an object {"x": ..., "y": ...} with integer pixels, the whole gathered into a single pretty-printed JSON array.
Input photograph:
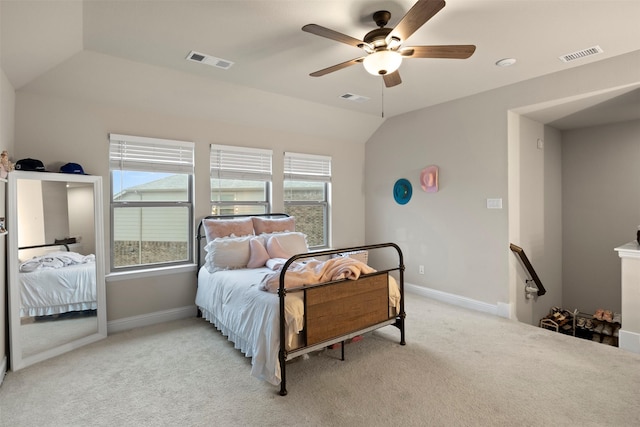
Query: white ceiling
[{"x": 272, "y": 55}]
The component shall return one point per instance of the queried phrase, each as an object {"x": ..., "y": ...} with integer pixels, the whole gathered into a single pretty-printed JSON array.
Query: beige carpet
[{"x": 459, "y": 368}]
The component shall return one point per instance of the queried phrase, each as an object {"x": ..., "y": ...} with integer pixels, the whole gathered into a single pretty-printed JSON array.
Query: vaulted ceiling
[{"x": 271, "y": 55}]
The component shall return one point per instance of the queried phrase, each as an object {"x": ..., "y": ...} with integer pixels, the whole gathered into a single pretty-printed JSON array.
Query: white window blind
[
  {"x": 307, "y": 167},
  {"x": 137, "y": 153},
  {"x": 228, "y": 162}
]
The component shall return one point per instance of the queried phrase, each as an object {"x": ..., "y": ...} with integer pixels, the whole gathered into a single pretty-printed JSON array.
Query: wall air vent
[
  {"x": 581, "y": 54},
  {"x": 209, "y": 60},
  {"x": 354, "y": 98}
]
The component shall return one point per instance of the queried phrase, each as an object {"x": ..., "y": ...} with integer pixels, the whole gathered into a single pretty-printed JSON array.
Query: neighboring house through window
[
  {"x": 240, "y": 180},
  {"x": 307, "y": 191},
  {"x": 151, "y": 202}
]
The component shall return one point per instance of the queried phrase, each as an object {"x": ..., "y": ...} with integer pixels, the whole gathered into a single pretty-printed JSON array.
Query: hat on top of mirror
[
  {"x": 29, "y": 164},
  {"x": 72, "y": 168}
]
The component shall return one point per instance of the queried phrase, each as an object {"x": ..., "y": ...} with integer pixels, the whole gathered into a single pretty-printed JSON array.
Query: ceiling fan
[{"x": 383, "y": 46}]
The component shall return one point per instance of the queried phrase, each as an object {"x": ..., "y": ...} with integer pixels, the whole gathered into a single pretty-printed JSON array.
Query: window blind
[
  {"x": 137, "y": 153},
  {"x": 307, "y": 167},
  {"x": 228, "y": 162}
]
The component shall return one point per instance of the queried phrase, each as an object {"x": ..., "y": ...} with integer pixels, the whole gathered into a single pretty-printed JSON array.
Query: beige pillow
[
  {"x": 267, "y": 225},
  {"x": 258, "y": 255},
  {"x": 215, "y": 228},
  {"x": 286, "y": 245},
  {"x": 227, "y": 253}
]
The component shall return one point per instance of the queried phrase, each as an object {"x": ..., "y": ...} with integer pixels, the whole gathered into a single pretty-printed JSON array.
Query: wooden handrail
[{"x": 532, "y": 272}]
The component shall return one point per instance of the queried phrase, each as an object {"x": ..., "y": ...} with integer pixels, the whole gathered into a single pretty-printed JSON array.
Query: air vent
[
  {"x": 354, "y": 98},
  {"x": 581, "y": 54},
  {"x": 209, "y": 60}
]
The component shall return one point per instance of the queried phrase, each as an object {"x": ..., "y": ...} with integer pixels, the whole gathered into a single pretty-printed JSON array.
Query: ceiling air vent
[
  {"x": 354, "y": 98},
  {"x": 581, "y": 54},
  {"x": 209, "y": 60}
]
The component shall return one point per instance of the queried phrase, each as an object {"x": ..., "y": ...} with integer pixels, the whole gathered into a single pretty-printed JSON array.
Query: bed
[
  {"x": 261, "y": 288},
  {"x": 56, "y": 281}
]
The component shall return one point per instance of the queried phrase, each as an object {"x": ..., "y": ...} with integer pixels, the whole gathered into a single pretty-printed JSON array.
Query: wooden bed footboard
[
  {"x": 332, "y": 311},
  {"x": 339, "y": 310}
]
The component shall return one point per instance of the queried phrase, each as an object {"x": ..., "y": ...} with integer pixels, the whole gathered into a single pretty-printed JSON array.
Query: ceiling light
[
  {"x": 382, "y": 62},
  {"x": 506, "y": 62}
]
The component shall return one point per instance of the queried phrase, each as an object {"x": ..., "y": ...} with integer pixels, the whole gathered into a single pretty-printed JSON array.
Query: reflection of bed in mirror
[
  {"x": 55, "y": 257},
  {"x": 56, "y": 282}
]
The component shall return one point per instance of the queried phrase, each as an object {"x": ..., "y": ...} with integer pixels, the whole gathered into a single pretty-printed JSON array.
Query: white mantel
[{"x": 629, "y": 338}]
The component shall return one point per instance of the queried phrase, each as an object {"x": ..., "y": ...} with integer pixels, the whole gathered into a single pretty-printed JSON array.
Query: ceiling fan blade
[
  {"x": 392, "y": 79},
  {"x": 460, "y": 51},
  {"x": 331, "y": 34},
  {"x": 336, "y": 67},
  {"x": 420, "y": 13}
]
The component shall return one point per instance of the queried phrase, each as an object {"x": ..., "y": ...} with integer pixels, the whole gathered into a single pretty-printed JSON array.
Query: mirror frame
[{"x": 17, "y": 361}]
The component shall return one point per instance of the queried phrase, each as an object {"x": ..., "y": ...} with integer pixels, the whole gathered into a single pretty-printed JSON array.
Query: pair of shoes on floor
[{"x": 606, "y": 315}]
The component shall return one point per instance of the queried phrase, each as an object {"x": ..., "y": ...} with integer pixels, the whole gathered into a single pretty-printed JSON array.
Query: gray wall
[
  {"x": 601, "y": 210},
  {"x": 463, "y": 245}
]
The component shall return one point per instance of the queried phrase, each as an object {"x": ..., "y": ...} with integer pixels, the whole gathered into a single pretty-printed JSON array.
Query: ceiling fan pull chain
[{"x": 382, "y": 95}]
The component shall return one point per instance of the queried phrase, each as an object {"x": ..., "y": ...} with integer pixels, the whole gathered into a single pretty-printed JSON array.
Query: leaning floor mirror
[{"x": 55, "y": 261}]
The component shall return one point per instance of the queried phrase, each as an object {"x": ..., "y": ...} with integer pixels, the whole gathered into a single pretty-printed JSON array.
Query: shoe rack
[{"x": 584, "y": 325}]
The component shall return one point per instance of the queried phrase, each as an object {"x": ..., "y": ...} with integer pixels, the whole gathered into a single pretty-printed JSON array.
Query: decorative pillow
[
  {"x": 286, "y": 245},
  {"x": 266, "y": 225},
  {"x": 258, "y": 253},
  {"x": 215, "y": 228},
  {"x": 225, "y": 253}
]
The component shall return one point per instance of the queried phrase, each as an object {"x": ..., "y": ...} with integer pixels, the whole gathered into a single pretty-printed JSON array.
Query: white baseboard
[
  {"x": 151, "y": 318},
  {"x": 500, "y": 309},
  {"x": 629, "y": 341},
  {"x": 3, "y": 369}
]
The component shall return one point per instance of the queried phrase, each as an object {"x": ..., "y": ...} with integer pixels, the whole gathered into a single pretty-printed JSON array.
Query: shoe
[
  {"x": 588, "y": 324},
  {"x": 616, "y": 331},
  {"x": 607, "y": 316},
  {"x": 607, "y": 341},
  {"x": 598, "y": 328},
  {"x": 607, "y": 329},
  {"x": 598, "y": 314},
  {"x": 580, "y": 322},
  {"x": 558, "y": 317},
  {"x": 617, "y": 318}
]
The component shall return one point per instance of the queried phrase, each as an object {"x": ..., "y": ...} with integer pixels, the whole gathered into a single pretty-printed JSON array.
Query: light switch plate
[{"x": 494, "y": 203}]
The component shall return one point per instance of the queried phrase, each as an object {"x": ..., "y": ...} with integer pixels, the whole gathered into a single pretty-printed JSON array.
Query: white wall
[
  {"x": 535, "y": 221},
  {"x": 463, "y": 245},
  {"x": 601, "y": 211},
  {"x": 7, "y": 115},
  {"x": 77, "y": 131}
]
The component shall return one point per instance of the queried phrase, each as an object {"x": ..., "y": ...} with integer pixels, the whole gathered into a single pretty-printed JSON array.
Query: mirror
[{"x": 55, "y": 262}]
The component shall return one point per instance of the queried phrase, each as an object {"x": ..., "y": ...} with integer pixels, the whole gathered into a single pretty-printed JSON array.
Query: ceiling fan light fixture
[{"x": 382, "y": 62}]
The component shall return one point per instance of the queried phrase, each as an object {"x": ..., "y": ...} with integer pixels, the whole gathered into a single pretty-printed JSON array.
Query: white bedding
[
  {"x": 47, "y": 291},
  {"x": 233, "y": 301}
]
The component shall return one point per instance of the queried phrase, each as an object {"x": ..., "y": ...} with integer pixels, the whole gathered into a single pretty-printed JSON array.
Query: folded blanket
[
  {"x": 314, "y": 271},
  {"x": 55, "y": 260}
]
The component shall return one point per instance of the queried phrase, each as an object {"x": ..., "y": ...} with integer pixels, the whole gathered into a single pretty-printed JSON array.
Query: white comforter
[
  {"x": 248, "y": 316},
  {"x": 47, "y": 291},
  {"x": 233, "y": 301}
]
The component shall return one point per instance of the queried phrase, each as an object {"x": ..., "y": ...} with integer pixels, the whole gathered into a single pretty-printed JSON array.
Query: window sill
[{"x": 152, "y": 272}]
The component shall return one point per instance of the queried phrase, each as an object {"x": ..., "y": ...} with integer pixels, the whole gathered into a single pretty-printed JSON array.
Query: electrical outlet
[{"x": 421, "y": 269}]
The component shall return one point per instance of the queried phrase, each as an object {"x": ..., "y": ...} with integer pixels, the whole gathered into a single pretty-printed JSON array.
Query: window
[
  {"x": 307, "y": 181},
  {"x": 240, "y": 180},
  {"x": 151, "y": 202}
]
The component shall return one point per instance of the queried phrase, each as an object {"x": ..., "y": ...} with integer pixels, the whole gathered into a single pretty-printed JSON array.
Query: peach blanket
[{"x": 313, "y": 271}]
